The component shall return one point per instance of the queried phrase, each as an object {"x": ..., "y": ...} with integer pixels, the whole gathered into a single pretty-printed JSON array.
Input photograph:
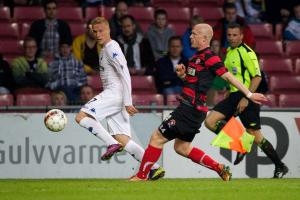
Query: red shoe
[{"x": 111, "y": 150}]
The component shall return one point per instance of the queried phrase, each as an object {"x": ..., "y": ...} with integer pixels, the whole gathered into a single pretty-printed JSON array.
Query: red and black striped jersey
[{"x": 203, "y": 67}]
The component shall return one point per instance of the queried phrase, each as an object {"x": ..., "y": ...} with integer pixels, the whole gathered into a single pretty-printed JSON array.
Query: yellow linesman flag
[{"x": 234, "y": 136}]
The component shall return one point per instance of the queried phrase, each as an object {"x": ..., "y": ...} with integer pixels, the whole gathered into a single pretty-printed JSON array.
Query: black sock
[
  {"x": 269, "y": 150},
  {"x": 220, "y": 124}
]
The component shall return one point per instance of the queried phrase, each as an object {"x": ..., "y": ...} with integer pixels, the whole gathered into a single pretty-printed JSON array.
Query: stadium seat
[
  {"x": 179, "y": 28},
  {"x": 91, "y": 13},
  {"x": 144, "y": 26},
  {"x": 148, "y": 99},
  {"x": 278, "y": 31},
  {"x": 31, "y": 90},
  {"x": 70, "y": 14},
  {"x": 206, "y": 3},
  {"x": 77, "y": 28},
  {"x": 262, "y": 31},
  {"x": 289, "y": 100},
  {"x": 6, "y": 100},
  {"x": 285, "y": 84},
  {"x": 172, "y": 100},
  {"x": 9, "y": 31},
  {"x": 33, "y": 100},
  {"x": 176, "y": 15},
  {"x": 166, "y": 3},
  {"x": 277, "y": 66},
  {"x": 24, "y": 27},
  {"x": 268, "y": 48},
  {"x": 28, "y": 14},
  {"x": 10, "y": 48},
  {"x": 293, "y": 49},
  {"x": 142, "y": 14},
  {"x": 271, "y": 100},
  {"x": 143, "y": 85},
  {"x": 107, "y": 12},
  {"x": 95, "y": 82},
  {"x": 210, "y": 15},
  {"x": 67, "y": 3},
  {"x": 5, "y": 14},
  {"x": 297, "y": 66}
]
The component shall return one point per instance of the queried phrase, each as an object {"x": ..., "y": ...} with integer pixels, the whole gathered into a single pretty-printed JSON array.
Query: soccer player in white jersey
[{"x": 113, "y": 104}]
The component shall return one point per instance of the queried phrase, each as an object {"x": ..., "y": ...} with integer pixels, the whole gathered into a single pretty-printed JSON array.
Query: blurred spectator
[
  {"x": 86, "y": 93},
  {"x": 58, "y": 98},
  {"x": 28, "y": 70},
  {"x": 137, "y": 49},
  {"x": 115, "y": 23},
  {"x": 159, "y": 33},
  {"x": 66, "y": 73},
  {"x": 219, "y": 86},
  {"x": 86, "y": 3},
  {"x": 255, "y": 11},
  {"x": 188, "y": 51},
  {"x": 7, "y": 83},
  {"x": 86, "y": 50},
  {"x": 292, "y": 31},
  {"x": 231, "y": 16},
  {"x": 167, "y": 80},
  {"x": 240, "y": 6},
  {"x": 50, "y": 31},
  {"x": 279, "y": 11}
]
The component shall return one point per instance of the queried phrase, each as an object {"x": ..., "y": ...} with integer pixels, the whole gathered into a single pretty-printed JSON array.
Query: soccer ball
[{"x": 55, "y": 120}]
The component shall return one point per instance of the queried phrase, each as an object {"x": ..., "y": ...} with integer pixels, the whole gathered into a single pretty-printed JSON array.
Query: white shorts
[{"x": 107, "y": 105}]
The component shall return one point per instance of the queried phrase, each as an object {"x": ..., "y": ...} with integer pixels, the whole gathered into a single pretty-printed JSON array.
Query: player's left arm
[
  {"x": 119, "y": 62},
  {"x": 252, "y": 65},
  {"x": 215, "y": 64}
]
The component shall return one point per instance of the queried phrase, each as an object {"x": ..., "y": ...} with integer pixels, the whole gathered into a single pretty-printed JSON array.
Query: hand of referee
[
  {"x": 131, "y": 110},
  {"x": 258, "y": 98}
]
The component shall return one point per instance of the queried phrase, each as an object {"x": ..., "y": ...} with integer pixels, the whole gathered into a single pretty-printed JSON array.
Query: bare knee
[
  {"x": 80, "y": 116},
  {"x": 257, "y": 134},
  {"x": 210, "y": 123},
  {"x": 157, "y": 139}
]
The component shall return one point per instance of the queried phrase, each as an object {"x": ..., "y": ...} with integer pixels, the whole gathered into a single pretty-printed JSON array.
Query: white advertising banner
[
  {"x": 29, "y": 150},
  {"x": 280, "y": 128}
]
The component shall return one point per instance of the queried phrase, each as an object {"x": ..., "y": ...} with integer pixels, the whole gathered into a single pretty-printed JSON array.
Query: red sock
[
  {"x": 200, "y": 157},
  {"x": 150, "y": 157}
]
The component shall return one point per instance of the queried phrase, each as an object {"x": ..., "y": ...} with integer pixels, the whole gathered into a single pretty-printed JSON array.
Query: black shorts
[
  {"x": 249, "y": 117},
  {"x": 183, "y": 123}
]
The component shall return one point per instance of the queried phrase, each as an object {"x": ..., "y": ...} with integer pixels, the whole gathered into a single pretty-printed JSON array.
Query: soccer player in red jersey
[{"x": 185, "y": 121}]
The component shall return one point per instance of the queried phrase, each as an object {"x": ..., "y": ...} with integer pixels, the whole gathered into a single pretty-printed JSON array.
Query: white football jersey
[{"x": 114, "y": 72}]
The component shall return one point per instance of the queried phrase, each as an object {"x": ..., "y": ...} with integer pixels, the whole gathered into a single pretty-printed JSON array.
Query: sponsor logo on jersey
[
  {"x": 191, "y": 71},
  {"x": 234, "y": 70},
  {"x": 115, "y": 55}
]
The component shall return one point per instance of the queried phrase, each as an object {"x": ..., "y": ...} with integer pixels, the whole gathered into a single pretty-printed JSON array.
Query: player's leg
[
  {"x": 216, "y": 119},
  {"x": 119, "y": 127},
  {"x": 137, "y": 152},
  {"x": 94, "y": 111},
  {"x": 185, "y": 149},
  {"x": 280, "y": 168},
  {"x": 151, "y": 155}
]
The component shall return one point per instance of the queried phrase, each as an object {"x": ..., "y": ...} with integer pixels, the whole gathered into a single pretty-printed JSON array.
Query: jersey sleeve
[
  {"x": 251, "y": 63},
  {"x": 215, "y": 64},
  {"x": 118, "y": 61}
]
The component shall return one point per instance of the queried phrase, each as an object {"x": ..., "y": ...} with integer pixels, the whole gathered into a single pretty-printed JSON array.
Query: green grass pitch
[{"x": 169, "y": 189}]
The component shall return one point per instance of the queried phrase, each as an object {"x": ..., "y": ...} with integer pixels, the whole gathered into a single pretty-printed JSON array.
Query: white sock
[
  {"x": 137, "y": 152},
  {"x": 97, "y": 129}
]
